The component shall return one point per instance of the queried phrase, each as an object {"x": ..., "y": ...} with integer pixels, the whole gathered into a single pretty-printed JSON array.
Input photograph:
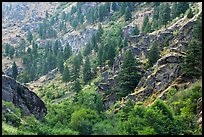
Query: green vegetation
[
  {"x": 14, "y": 70},
  {"x": 74, "y": 102},
  {"x": 129, "y": 75}
]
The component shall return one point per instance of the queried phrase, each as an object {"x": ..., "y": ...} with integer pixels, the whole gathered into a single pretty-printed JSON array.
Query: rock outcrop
[
  {"x": 158, "y": 78},
  {"x": 22, "y": 97}
]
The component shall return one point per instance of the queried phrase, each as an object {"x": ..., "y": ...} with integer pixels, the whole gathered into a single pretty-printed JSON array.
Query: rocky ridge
[{"x": 164, "y": 73}]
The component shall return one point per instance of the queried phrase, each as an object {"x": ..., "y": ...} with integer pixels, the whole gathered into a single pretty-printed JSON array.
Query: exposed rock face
[
  {"x": 158, "y": 78},
  {"x": 22, "y": 97}
]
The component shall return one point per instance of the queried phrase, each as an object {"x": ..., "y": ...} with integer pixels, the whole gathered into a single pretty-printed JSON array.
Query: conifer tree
[
  {"x": 67, "y": 51},
  {"x": 153, "y": 55},
  {"x": 87, "y": 75},
  {"x": 14, "y": 70},
  {"x": 66, "y": 75},
  {"x": 136, "y": 30},
  {"x": 29, "y": 37},
  {"x": 76, "y": 86},
  {"x": 165, "y": 13},
  {"x": 129, "y": 75},
  {"x": 128, "y": 14}
]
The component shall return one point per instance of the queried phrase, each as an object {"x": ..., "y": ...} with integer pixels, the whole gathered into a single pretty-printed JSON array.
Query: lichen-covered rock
[{"x": 22, "y": 97}]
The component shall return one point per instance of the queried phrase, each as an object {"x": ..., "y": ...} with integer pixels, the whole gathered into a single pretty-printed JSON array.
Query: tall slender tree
[
  {"x": 129, "y": 75},
  {"x": 87, "y": 75},
  {"x": 14, "y": 70}
]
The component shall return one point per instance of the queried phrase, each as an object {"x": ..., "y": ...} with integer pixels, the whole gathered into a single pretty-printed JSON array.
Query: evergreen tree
[
  {"x": 56, "y": 47},
  {"x": 155, "y": 18},
  {"x": 114, "y": 6},
  {"x": 11, "y": 52},
  {"x": 75, "y": 67},
  {"x": 148, "y": 27},
  {"x": 174, "y": 10},
  {"x": 7, "y": 49},
  {"x": 87, "y": 75},
  {"x": 193, "y": 61},
  {"x": 87, "y": 49},
  {"x": 145, "y": 21},
  {"x": 76, "y": 86},
  {"x": 128, "y": 14},
  {"x": 29, "y": 37},
  {"x": 94, "y": 43},
  {"x": 192, "y": 64},
  {"x": 111, "y": 55},
  {"x": 164, "y": 13},
  {"x": 81, "y": 19},
  {"x": 189, "y": 13},
  {"x": 80, "y": 58},
  {"x": 129, "y": 75},
  {"x": 100, "y": 56},
  {"x": 67, "y": 51},
  {"x": 74, "y": 23},
  {"x": 66, "y": 75},
  {"x": 125, "y": 42},
  {"x": 182, "y": 7},
  {"x": 136, "y": 30},
  {"x": 153, "y": 55},
  {"x": 46, "y": 14},
  {"x": 60, "y": 62},
  {"x": 14, "y": 70},
  {"x": 122, "y": 9}
]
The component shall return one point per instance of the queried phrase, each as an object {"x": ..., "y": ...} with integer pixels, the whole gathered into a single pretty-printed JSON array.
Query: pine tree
[
  {"x": 155, "y": 18},
  {"x": 174, "y": 10},
  {"x": 122, "y": 9},
  {"x": 136, "y": 30},
  {"x": 66, "y": 75},
  {"x": 182, "y": 7},
  {"x": 75, "y": 67},
  {"x": 145, "y": 21},
  {"x": 189, "y": 13},
  {"x": 128, "y": 14},
  {"x": 67, "y": 51},
  {"x": 87, "y": 49},
  {"x": 111, "y": 55},
  {"x": 14, "y": 70},
  {"x": 148, "y": 27},
  {"x": 100, "y": 56},
  {"x": 94, "y": 43},
  {"x": 114, "y": 6},
  {"x": 11, "y": 52},
  {"x": 87, "y": 75},
  {"x": 29, "y": 37},
  {"x": 56, "y": 47},
  {"x": 129, "y": 75},
  {"x": 193, "y": 61},
  {"x": 60, "y": 62},
  {"x": 164, "y": 13},
  {"x": 7, "y": 49},
  {"x": 76, "y": 86},
  {"x": 80, "y": 58},
  {"x": 153, "y": 55},
  {"x": 125, "y": 42},
  {"x": 192, "y": 64},
  {"x": 46, "y": 14}
]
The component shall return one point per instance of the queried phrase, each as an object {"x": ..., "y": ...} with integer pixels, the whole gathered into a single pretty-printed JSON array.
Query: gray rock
[{"x": 22, "y": 97}]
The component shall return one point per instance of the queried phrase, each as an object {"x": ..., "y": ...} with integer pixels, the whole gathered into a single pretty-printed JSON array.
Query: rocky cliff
[
  {"x": 172, "y": 43},
  {"x": 22, "y": 97}
]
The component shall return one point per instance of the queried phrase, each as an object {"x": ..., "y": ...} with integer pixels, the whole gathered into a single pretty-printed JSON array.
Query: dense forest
[{"x": 76, "y": 103}]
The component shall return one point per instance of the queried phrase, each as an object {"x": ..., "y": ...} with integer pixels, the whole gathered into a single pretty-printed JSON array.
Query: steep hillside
[{"x": 102, "y": 68}]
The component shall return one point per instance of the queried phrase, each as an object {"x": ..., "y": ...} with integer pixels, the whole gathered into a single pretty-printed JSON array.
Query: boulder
[{"x": 22, "y": 97}]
